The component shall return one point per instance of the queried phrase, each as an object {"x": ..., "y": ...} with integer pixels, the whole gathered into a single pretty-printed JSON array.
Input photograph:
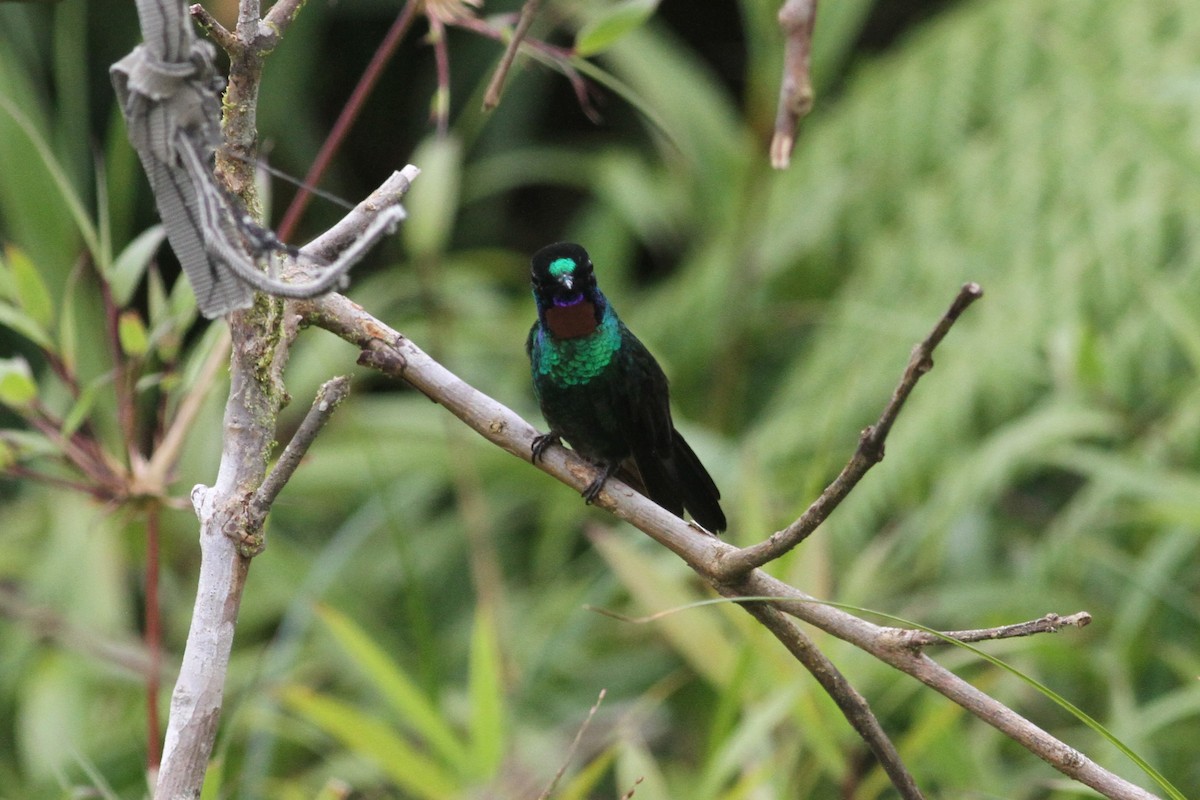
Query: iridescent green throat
[{"x": 573, "y": 362}]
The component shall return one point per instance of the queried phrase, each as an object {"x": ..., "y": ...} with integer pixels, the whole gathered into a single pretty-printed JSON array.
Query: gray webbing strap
[
  {"x": 167, "y": 88},
  {"x": 168, "y": 91}
]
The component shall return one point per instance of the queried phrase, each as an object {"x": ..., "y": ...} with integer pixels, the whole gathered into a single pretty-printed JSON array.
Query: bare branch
[
  {"x": 885, "y": 645},
  {"x": 281, "y": 16},
  {"x": 549, "y": 790},
  {"x": 852, "y": 704},
  {"x": 491, "y": 98},
  {"x": 224, "y": 37},
  {"x": 868, "y": 454},
  {"x": 796, "y": 18},
  {"x": 329, "y": 397},
  {"x": 352, "y": 227},
  {"x": 227, "y": 543},
  {"x": 1051, "y": 623},
  {"x": 558, "y": 58}
]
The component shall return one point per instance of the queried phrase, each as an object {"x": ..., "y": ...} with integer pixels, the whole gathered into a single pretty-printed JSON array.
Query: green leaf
[
  {"x": 130, "y": 265},
  {"x": 8, "y": 455},
  {"x": 25, "y": 444},
  {"x": 58, "y": 175},
  {"x": 32, "y": 294},
  {"x": 8, "y": 286},
  {"x": 586, "y": 782},
  {"x": 629, "y": 94},
  {"x": 148, "y": 381},
  {"x": 169, "y": 381},
  {"x": 183, "y": 303},
  {"x": 83, "y": 406},
  {"x": 166, "y": 332},
  {"x": 17, "y": 387},
  {"x": 487, "y": 696},
  {"x": 370, "y": 738},
  {"x": 68, "y": 341},
  {"x": 132, "y": 333},
  {"x": 17, "y": 320},
  {"x": 433, "y": 201},
  {"x": 156, "y": 297},
  {"x": 614, "y": 23},
  {"x": 214, "y": 779},
  {"x": 198, "y": 354},
  {"x": 414, "y": 709},
  {"x": 639, "y": 771}
]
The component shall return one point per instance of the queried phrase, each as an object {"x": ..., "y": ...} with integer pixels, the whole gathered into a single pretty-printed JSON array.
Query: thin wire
[{"x": 286, "y": 177}]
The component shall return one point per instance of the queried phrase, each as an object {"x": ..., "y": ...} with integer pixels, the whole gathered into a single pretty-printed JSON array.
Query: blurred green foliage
[{"x": 417, "y": 627}]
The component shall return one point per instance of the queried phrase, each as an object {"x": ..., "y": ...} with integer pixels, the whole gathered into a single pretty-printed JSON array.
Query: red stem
[
  {"x": 346, "y": 118},
  {"x": 122, "y": 375}
]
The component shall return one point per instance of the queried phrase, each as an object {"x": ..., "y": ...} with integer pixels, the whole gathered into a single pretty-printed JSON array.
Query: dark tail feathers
[{"x": 681, "y": 482}]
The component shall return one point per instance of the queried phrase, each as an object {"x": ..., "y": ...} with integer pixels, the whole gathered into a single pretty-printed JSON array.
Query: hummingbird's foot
[
  {"x": 593, "y": 489},
  {"x": 541, "y": 442}
]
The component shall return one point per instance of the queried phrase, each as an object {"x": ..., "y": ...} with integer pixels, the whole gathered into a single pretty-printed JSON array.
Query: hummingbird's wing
[
  {"x": 641, "y": 403},
  {"x": 673, "y": 475}
]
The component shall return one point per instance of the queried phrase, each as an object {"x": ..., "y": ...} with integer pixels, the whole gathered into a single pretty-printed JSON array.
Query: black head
[{"x": 562, "y": 275}]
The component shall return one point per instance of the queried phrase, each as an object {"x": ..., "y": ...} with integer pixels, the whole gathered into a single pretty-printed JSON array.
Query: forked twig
[
  {"x": 1050, "y": 623},
  {"x": 797, "y": 19},
  {"x": 329, "y": 397},
  {"x": 573, "y": 747},
  {"x": 868, "y": 454},
  {"x": 852, "y": 704},
  {"x": 491, "y": 98}
]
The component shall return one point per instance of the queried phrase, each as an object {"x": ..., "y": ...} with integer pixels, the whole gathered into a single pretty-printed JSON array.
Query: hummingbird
[{"x": 601, "y": 390}]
